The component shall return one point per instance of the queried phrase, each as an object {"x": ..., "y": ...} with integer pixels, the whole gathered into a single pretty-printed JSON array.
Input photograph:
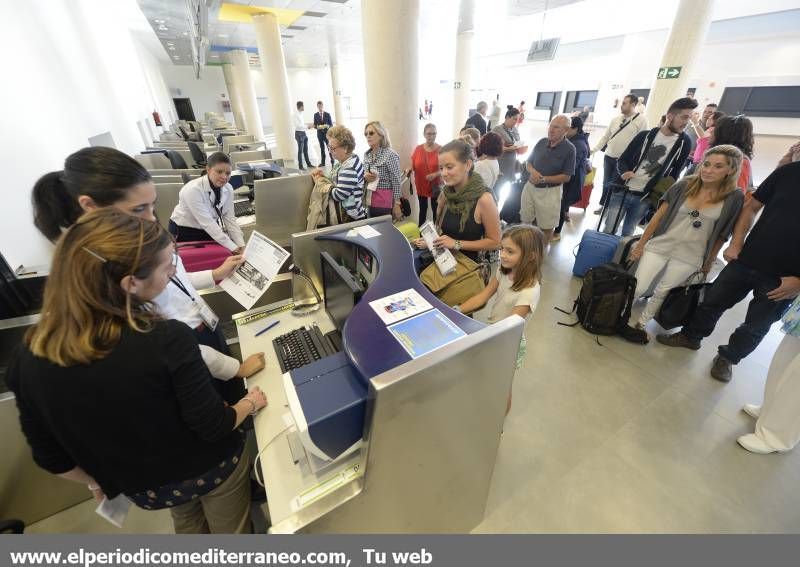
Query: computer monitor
[
  {"x": 15, "y": 299},
  {"x": 341, "y": 290}
]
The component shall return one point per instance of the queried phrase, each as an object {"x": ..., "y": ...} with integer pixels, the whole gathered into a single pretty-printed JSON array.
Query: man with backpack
[
  {"x": 767, "y": 263},
  {"x": 616, "y": 138},
  {"x": 650, "y": 164}
]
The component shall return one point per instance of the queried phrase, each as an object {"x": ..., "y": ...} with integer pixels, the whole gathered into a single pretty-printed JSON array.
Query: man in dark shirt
[
  {"x": 322, "y": 121},
  {"x": 551, "y": 164},
  {"x": 478, "y": 120},
  {"x": 767, "y": 263}
]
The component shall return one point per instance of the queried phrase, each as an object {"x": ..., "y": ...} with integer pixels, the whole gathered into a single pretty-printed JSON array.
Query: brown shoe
[
  {"x": 721, "y": 369},
  {"x": 678, "y": 340}
]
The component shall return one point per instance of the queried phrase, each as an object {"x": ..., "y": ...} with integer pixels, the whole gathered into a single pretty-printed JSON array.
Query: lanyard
[
  {"x": 217, "y": 205},
  {"x": 179, "y": 284}
]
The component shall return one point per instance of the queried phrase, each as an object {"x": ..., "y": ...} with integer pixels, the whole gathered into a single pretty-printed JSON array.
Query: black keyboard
[
  {"x": 244, "y": 208},
  {"x": 302, "y": 346}
]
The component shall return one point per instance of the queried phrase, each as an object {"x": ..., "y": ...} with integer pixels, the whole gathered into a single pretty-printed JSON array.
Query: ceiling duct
[{"x": 198, "y": 32}]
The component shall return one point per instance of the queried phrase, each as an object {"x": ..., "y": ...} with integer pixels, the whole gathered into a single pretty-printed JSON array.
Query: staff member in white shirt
[
  {"x": 100, "y": 177},
  {"x": 616, "y": 138},
  {"x": 205, "y": 208},
  {"x": 300, "y": 136}
]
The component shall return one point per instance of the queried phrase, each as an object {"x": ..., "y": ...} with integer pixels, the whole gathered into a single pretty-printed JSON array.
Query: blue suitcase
[{"x": 596, "y": 248}]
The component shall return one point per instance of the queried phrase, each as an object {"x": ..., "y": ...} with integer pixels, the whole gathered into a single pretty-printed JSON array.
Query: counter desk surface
[{"x": 368, "y": 344}]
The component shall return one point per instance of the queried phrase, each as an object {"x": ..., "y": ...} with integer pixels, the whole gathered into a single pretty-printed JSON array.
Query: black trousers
[
  {"x": 731, "y": 286},
  {"x": 188, "y": 234},
  {"x": 322, "y": 138},
  {"x": 423, "y": 208}
]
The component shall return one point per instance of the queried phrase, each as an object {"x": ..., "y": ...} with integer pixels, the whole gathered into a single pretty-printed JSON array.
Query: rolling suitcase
[
  {"x": 596, "y": 247},
  {"x": 203, "y": 255},
  {"x": 586, "y": 190}
]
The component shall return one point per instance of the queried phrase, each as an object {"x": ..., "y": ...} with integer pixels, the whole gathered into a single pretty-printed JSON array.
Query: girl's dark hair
[
  {"x": 577, "y": 123},
  {"x": 511, "y": 111},
  {"x": 736, "y": 131},
  {"x": 104, "y": 174},
  {"x": 491, "y": 145},
  {"x": 217, "y": 158}
]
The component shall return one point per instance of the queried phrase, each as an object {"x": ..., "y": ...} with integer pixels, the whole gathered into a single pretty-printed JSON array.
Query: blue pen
[{"x": 267, "y": 328}]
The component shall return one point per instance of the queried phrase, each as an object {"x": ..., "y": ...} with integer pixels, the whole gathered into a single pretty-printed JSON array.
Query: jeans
[
  {"x": 609, "y": 172},
  {"x": 731, "y": 286},
  {"x": 633, "y": 210},
  {"x": 302, "y": 148}
]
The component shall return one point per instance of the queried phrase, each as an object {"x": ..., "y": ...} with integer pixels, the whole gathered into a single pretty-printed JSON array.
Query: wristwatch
[{"x": 458, "y": 245}]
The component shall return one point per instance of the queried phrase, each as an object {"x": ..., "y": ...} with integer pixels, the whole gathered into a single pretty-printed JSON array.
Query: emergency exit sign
[{"x": 669, "y": 72}]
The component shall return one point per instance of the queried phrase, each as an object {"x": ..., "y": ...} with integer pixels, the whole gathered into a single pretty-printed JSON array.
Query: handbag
[
  {"x": 457, "y": 286},
  {"x": 681, "y": 302},
  {"x": 658, "y": 190}
]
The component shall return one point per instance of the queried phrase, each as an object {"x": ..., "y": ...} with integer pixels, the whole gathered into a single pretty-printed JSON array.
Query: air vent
[
  {"x": 286, "y": 36},
  {"x": 315, "y": 14},
  {"x": 336, "y": 1},
  {"x": 298, "y": 28},
  {"x": 543, "y": 50}
]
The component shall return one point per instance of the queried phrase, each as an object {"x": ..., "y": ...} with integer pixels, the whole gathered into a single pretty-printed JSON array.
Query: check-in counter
[{"x": 430, "y": 426}]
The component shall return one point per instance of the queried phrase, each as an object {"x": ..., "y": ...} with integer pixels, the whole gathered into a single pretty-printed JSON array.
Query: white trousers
[
  {"x": 778, "y": 424},
  {"x": 666, "y": 273}
]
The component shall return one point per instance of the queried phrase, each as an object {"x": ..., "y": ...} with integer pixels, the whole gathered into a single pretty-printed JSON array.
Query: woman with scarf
[
  {"x": 572, "y": 188},
  {"x": 468, "y": 218}
]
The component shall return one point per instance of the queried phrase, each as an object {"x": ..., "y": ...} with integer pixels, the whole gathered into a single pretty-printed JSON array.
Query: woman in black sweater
[{"x": 113, "y": 396}]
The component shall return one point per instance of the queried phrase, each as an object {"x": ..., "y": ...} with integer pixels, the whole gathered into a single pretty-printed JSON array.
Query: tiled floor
[{"x": 611, "y": 437}]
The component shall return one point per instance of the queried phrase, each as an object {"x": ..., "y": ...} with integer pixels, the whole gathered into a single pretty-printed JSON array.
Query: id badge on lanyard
[
  {"x": 217, "y": 206},
  {"x": 206, "y": 313},
  {"x": 199, "y": 306}
]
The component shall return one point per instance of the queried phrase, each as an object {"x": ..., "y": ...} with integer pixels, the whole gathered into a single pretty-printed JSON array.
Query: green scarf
[{"x": 462, "y": 202}]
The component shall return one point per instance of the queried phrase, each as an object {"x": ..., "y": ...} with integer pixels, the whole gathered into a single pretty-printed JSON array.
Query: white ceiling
[{"x": 309, "y": 47}]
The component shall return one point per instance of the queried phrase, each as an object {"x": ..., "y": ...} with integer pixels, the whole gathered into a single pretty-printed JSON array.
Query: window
[
  {"x": 781, "y": 102},
  {"x": 545, "y": 99},
  {"x": 576, "y": 100}
]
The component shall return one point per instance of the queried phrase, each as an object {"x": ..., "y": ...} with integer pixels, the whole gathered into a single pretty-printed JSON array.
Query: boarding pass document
[
  {"x": 444, "y": 259},
  {"x": 262, "y": 260},
  {"x": 394, "y": 308}
]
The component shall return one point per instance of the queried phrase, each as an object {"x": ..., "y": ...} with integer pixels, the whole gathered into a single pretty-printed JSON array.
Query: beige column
[
  {"x": 463, "y": 69},
  {"x": 247, "y": 93},
  {"x": 391, "y": 41},
  {"x": 273, "y": 68},
  {"x": 336, "y": 81},
  {"x": 685, "y": 41},
  {"x": 233, "y": 95}
]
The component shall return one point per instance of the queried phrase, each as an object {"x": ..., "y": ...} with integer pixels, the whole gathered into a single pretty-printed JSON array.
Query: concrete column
[
  {"x": 685, "y": 41},
  {"x": 273, "y": 68},
  {"x": 338, "y": 90},
  {"x": 247, "y": 93},
  {"x": 233, "y": 95},
  {"x": 391, "y": 40},
  {"x": 463, "y": 70}
]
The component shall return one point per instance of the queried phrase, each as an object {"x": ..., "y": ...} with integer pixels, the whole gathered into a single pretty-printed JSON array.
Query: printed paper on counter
[
  {"x": 399, "y": 306},
  {"x": 262, "y": 260}
]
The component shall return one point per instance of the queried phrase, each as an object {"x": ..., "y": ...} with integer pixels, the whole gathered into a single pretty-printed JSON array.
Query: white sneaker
[
  {"x": 752, "y": 410},
  {"x": 754, "y": 444}
]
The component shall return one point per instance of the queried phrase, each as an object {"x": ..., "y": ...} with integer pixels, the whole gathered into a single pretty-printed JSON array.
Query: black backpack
[{"x": 604, "y": 302}]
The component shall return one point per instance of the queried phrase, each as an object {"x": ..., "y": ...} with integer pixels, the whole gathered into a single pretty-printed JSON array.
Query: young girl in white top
[{"x": 515, "y": 288}]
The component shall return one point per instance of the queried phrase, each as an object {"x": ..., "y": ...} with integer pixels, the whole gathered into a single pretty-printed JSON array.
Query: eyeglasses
[
  {"x": 695, "y": 214},
  {"x": 332, "y": 147},
  {"x": 369, "y": 133}
]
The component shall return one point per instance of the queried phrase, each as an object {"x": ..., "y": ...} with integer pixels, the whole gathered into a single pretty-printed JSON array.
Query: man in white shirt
[
  {"x": 616, "y": 138},
  {"x": 495, "y": 116},
  {"x": 300, "y": 136}
]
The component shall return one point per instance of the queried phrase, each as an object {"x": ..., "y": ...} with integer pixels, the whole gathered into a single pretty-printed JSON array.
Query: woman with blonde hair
[
  {"x": 113, "y": 396},
  {"x": 382, "y": 164},
  {"x": 694, "y": 218}
]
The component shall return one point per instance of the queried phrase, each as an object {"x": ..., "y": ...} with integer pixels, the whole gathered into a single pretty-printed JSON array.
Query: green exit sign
[{"x": 669, "y": 72}]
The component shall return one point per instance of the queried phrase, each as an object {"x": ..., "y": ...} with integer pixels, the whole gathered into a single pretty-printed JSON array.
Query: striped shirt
[
  {"x": 386, "y": 163},
  {"x": 348, "y": 187}
]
